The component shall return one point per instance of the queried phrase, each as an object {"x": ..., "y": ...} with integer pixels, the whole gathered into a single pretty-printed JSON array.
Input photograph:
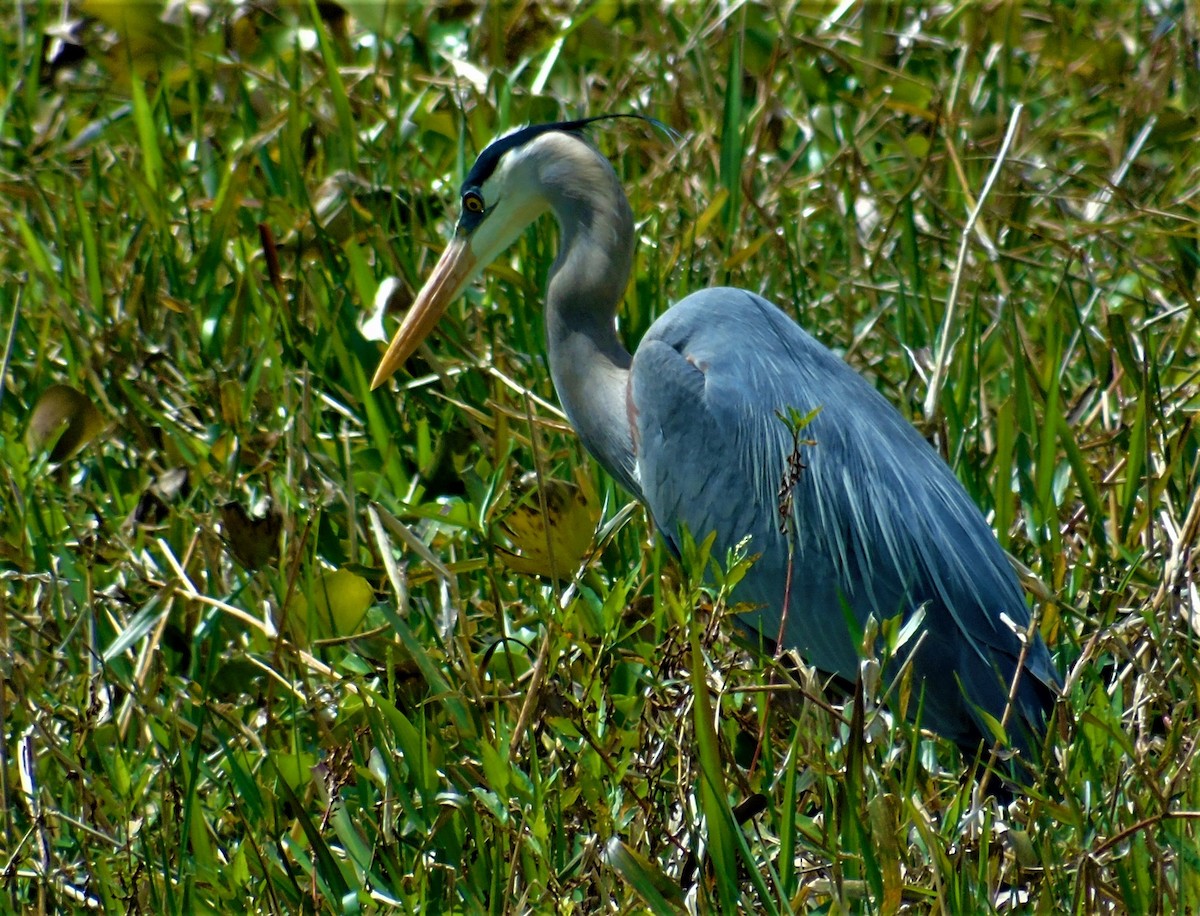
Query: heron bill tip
[{"x": 452, "y": 272}]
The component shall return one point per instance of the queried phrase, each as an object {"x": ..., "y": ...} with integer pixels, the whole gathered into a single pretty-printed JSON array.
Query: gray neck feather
[{"x": 589, "y": 365}]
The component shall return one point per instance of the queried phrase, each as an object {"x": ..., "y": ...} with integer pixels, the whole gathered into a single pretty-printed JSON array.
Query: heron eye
[{"x": 473, "y": 203}]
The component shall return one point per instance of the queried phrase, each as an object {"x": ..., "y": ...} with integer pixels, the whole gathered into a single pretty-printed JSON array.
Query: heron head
[{"x": 504, "y": 192}]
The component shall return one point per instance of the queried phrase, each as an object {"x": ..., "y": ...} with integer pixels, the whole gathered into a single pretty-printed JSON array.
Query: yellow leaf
[
  {"x": 150, "y": 42},
  {"x": 231, "y": 402},
  {"x": 740, "y": 257},
  {"x": 65, "y": 418},
  {"x": 176, "y": 305},
  {"x": 133, "y": 21},
  {"x": 551, "y": 544},
  {"x": 699, "y": 226},
  {"x": 340, "y": 601}
]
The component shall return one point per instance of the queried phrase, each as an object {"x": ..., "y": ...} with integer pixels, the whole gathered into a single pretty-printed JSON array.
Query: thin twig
[
  {"x": 531, "y": 695},
  {"x": 539, "y": 668},
  {"x": 1031, "y": 633},
  {"x": 938, "y": 376},
  {"x": 1096, "y": 205},
  {"x": 394, "y": 573},
  {"x": 12, "y": 335}
]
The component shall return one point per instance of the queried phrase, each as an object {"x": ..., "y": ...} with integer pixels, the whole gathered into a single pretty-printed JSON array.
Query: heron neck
[{"x": 588, "y": 363}]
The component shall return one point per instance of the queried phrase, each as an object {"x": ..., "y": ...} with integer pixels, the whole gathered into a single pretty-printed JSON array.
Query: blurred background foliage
[{"x": 271, "y": 641}]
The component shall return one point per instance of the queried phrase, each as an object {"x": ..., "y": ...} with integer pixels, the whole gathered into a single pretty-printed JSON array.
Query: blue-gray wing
[{"x": 880, "y": 524}]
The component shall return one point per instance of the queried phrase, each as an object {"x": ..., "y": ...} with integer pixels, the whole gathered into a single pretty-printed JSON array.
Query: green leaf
[
  {"x": 143, "y": 119},
  {"x": 662, "y": 895}
]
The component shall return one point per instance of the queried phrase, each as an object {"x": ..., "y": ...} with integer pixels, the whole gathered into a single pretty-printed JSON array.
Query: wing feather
[{"x": 880, "y": 523}]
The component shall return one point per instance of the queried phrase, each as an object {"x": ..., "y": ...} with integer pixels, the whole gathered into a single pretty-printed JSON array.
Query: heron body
[{"x": 876, "y": 524}]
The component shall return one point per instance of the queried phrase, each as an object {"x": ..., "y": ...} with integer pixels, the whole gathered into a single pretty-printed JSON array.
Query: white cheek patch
[
  {"x": 490, "y": 192},
  {"x": 494, "y": 184}
]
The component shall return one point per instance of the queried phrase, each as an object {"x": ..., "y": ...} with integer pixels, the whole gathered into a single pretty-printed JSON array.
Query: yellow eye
[{"x": 473, "y": 203}]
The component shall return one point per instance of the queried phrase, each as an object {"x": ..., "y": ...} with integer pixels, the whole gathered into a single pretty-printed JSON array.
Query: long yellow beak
[{"x": 452, "y": 272}]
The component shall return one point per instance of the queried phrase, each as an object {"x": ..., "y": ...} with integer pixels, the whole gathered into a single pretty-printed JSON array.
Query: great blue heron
[{"x": 692, "y": 425}]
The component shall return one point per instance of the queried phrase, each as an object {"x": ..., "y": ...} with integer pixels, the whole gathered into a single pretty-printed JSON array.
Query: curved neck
[{"x": 589, "y": 365}]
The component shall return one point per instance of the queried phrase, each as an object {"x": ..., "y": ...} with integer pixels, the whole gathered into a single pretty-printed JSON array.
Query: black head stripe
[{"x": 486, "y": 164}]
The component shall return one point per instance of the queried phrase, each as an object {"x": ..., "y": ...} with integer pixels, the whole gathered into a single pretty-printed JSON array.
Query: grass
[{"x": 991, "y": 211}]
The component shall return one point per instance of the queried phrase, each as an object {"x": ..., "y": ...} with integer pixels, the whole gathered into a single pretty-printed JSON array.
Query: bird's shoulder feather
[{"x": 879, "y": 522}]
